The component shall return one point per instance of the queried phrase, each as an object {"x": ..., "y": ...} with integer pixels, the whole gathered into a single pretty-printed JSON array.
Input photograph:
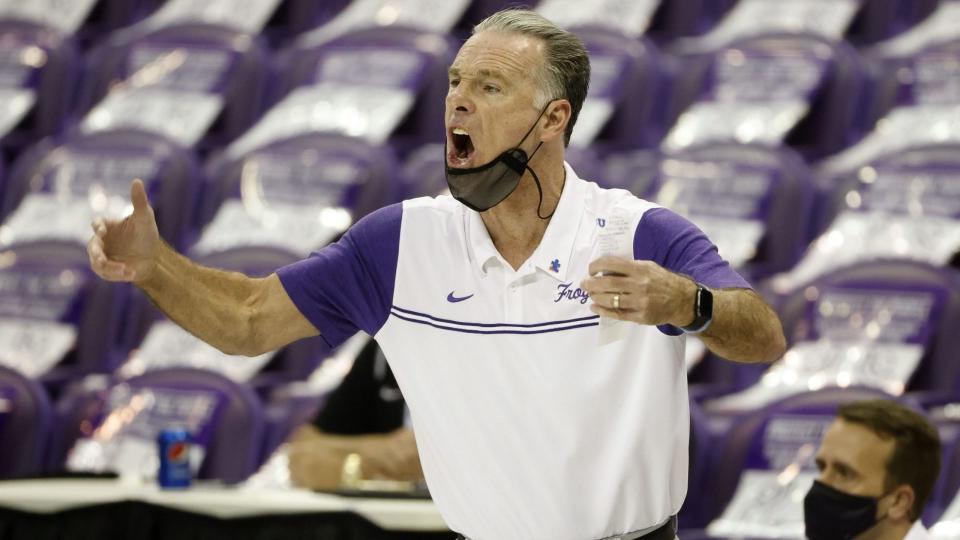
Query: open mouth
[{"x": 460, "y": 148}]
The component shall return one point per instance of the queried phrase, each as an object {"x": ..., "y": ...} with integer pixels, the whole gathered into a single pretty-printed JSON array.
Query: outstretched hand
[
  {"x": 646, "y": 292},
  {"x": 126, "y": 250}
]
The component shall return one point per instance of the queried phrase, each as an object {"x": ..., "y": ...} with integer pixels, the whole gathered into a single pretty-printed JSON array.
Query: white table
[{"x": 56, "y": 495}]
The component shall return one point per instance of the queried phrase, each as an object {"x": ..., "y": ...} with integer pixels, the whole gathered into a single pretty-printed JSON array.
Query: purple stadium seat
[
  {"x": 37, "y": 75},
  {"x": 920, "y": 304},
  {"x": 375, "y": 84},
  {"x": 85, "y": 19},
  {"x": 279, "y": 21},
  {"x": 59, "y": 320},
  {"x": 295, "y": 194},
  {"x": 917, "y": 98},
  {"x": 235, "y": 439},
  {"x": 662, "y": 20},
  {"x": 689, "y": 17},
  {"x": 80, "y": 401},
  {"x": 635, "y": 171},
  {"x": 904, "y": 205},
  {"x": 626, "y": 85},
  {"x": 224, "y": 418},
  {"x": 775, "y": 89},
  {"x": 422, "y": 174},
  {"x": 751, "y": 200},
  {"x": 782, "y": 436},
  {"x": 82, "y": 176},
  {"x": 937, "y": 23},
  {"x": 361, "y": 15},
  {"x": 881, "y": 324},
  {"x": 199, "y": 85},
  {"x": 835, "y": 20},
  {"x": 631, "y": 19},
  {"x": 923, "y": 79},
  {"x": 767, "y": 192},
  {"x": 481, "y": 9},
  {"x": 304, "y": 15},
  {"x": 25, "y": 419},
  {"x": 880, "y": 19}
]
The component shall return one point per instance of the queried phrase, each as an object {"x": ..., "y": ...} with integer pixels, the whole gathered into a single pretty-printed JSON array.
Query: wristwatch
[{"x": 702, "y": 310}]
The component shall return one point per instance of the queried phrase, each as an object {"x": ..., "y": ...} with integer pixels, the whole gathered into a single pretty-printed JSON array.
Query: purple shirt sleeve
[
  {"x": 348, "y": 286},
  {"x": 676, "y": 244}
]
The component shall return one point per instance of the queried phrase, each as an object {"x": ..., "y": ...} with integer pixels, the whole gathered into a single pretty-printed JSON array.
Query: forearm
[
  {"x": 316, "y": 458},
  {"x": 744, "y": 328},
  {"x": 215, "y": 305}
]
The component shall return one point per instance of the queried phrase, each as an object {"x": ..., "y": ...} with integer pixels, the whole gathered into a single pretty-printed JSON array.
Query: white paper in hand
[{"x": 615, "y": 238}]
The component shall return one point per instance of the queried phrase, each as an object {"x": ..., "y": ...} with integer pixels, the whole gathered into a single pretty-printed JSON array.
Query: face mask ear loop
[
  {"x": 540, "y": 191},
  {"x": 536, "y": 180}
]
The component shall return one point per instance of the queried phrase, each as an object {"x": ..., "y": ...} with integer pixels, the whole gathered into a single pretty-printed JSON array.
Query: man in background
[
  {"x": 367, "y": 416},
  {"x": 878, "y": 463}
]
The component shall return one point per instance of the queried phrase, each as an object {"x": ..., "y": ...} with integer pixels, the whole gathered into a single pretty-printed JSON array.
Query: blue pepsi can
[{"x": 174, "y": 451}]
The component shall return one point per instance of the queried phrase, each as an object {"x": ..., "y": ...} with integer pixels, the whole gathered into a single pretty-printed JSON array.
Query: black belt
[{"x": 667, "y": 531}]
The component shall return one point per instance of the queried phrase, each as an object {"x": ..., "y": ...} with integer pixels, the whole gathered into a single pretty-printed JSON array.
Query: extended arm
[
  {"x": 744, "y": 327},
  {"x": 233, "y": 312}
]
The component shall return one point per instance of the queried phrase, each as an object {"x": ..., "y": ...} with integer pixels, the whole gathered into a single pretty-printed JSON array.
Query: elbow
[
  {"x": 766, "y": 347},
  {"x": 773, "y": 346},
  {"x": 777, "y": 347},
  {"x": 249, "y": 339},
  {"x": 240, "y": 345}
]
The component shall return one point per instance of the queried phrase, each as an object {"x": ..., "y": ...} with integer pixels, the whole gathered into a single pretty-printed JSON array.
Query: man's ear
[
  {"x": 555, "y": 120},
  {"x": 901, "y": 503}
]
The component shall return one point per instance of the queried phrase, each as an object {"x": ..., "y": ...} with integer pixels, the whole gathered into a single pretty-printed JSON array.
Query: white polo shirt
[{"x": 527, "y": 427}]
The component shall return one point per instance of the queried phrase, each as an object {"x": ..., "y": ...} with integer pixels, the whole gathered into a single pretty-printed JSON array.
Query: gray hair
[{"x": 566, "y": 66}]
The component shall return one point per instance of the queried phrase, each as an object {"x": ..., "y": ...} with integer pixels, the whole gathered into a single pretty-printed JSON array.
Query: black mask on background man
[{"x": 830, "y": 514}]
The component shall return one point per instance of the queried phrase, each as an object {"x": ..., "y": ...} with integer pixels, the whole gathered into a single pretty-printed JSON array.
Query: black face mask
[
  {"x": 829, "y": 514},
  {"x": 481, "y": 188}
]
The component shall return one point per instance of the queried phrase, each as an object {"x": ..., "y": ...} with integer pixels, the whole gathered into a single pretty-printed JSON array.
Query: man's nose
[{"x": 458, "y": 101}]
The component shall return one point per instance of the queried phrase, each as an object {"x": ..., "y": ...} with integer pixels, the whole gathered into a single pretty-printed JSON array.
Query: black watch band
[{"x": 702, "y": 310}]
